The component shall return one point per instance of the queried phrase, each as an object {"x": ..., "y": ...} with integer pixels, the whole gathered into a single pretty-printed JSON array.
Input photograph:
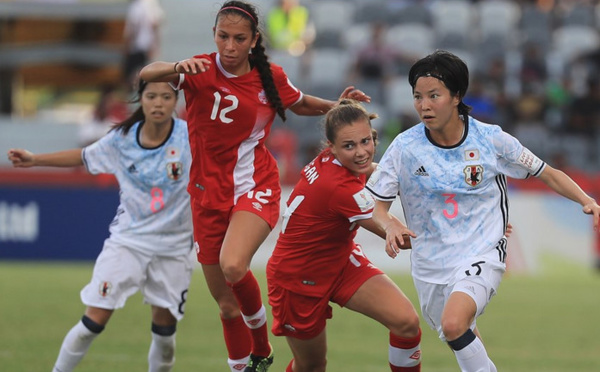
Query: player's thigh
[
  {"x": 246, "y": 232},
  {"x": 432, "y": 298},
  {"x": 380, "y": 298},
  {"x": 167, "y": 283}
]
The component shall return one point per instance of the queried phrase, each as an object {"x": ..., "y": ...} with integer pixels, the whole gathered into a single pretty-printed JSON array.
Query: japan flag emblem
[{"x": 473, "y": 174}]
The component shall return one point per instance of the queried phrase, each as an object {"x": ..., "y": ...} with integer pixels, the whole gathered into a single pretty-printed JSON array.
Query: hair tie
[{"x": 241, "y": 10}]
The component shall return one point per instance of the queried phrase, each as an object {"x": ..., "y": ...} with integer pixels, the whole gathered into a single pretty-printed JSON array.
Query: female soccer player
[
  {"x": 450, "y": 172},
  {"x": 316, "y": 260},
  {"x": 232, "y": 97},
  {"x": 150, "y": 243}
]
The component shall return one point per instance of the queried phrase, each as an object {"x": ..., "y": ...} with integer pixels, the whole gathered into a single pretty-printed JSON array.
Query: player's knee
[
  {"x": 407, "y": 325},
  {"x": 234, "y": 271},
  {"x": 453, "y": 327}
]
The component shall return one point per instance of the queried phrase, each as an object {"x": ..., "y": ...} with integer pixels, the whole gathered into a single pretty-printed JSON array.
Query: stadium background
[{"x": 54, "y": 85}]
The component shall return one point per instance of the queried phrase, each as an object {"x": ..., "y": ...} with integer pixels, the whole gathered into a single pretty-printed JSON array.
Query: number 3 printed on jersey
[
  {"x": 451, "y": 210},
  {"x": 230, "y": 103}
]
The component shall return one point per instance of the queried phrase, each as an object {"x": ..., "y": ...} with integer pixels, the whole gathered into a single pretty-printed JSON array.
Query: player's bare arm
[
  {"x": 564, "y": 185},
  {"x": 21, "y": 158},
  {"x": 169, "y": 71},
  {"x": 314, "y": 106}
]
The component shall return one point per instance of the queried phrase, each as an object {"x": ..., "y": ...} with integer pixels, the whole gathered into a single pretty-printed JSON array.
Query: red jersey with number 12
[
  {"x": 229, "y": 119},
  {"x": 319, "y": 226}
]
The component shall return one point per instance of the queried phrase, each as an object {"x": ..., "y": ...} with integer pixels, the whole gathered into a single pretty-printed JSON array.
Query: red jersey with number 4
[
  {"x": 319, "y": 226},
  {"x": 229, "y": 119}
]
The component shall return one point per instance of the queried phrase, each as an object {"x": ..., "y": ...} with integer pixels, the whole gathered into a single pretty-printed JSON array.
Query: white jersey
[
  {"x": 154, "y": 213},
  {"x": 454, "y": 198}
]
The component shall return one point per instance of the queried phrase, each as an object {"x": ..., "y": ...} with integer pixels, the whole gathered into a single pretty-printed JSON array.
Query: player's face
[
  {"x": 158, "y": 103},
  {"x": 354, "y": 147},
  {"x": 234, "y": 39},
  {"x": 434, "y": 103}
]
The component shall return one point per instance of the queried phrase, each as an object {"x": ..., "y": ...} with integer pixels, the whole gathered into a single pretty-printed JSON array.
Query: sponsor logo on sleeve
[
  {"x": 529, "y": 160},
  {"x": 364, "y": 200}
]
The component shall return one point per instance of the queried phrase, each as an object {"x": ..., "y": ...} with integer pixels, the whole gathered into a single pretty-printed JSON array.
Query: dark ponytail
[
  {"x": 258, "y": 57},
  {"x": 137, "y": 115}
]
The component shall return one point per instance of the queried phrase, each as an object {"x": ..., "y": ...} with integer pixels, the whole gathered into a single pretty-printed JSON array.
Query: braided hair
[{"x": 258, "y": 58}]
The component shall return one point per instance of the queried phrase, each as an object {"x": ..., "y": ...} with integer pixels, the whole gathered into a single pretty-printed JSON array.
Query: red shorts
[
  {"x": 304, "y": 317},
  {"x": 210, "y": 225}
]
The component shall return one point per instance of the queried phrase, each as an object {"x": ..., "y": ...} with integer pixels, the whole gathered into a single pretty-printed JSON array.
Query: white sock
[
  {"x": 473, "y": 357},
  {"x": 237, "y": 365},
  {"x": 161, "y": 356},
  {"x": 74, "y": 347}
]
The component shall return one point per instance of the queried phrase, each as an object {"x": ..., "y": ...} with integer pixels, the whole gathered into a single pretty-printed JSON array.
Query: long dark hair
[
  {"x": 138, "y": 114},
  {"x": 258, "y": 57}
]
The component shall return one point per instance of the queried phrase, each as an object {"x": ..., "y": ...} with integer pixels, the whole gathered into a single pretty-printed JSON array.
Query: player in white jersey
[
  {"x": 450, "y": 173},
  {"x": 150, "y": 244}
]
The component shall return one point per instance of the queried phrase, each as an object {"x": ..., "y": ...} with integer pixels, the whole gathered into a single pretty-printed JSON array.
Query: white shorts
[
  {"x": 120, "y": 272},
  {"x": 478, "y": 277}
]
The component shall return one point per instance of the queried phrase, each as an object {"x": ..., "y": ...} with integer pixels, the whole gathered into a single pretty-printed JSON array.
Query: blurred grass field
[{"x": 547, "y": 322}]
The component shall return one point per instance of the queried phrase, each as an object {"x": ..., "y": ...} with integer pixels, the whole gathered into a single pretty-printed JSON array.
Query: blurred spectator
[
  {"x": 289, "y": 27},
  {"x": 533, "y": 67},
  {"x": 483, "y": 104},
  {"x": 374, "y": 63},
  {"x": 110, "y": 109},
  {"x": 583, "y": 113},
  {"x": 142, "y": 37}
]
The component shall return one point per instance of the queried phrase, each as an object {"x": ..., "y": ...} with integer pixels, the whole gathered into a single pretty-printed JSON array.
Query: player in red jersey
[
  {"x": 232, "y": 97},
  {"x": 317, "y": 261}
]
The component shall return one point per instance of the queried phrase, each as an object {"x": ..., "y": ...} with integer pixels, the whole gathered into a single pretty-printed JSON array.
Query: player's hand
[
  {"x": 21, "y": 158},
  {"x": 509, "y": 230},
  {"x": 193, "y": 66},
  {"x": 397, "y": 237},
  {"x": 355, "y": 94},
  {"x": 594, "y": 209}
]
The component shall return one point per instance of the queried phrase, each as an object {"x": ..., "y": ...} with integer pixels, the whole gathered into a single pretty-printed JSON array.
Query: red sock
[
  {"x": 237, "y": 338},
  {"x": 289, "y": 367},
  {"x": 247, "y": 294},
  {"x": 405, "y": 351}
]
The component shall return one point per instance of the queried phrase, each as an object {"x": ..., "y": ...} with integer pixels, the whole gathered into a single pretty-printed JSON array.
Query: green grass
[{"x": 539, "y": 323}]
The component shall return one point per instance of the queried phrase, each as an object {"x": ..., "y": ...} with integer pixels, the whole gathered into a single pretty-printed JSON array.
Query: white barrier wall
[{"x": 543, "y": 223}]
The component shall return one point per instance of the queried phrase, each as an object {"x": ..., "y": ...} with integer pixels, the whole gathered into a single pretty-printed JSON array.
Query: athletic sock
[
  {"x": 238, "y": 342},
  {"x": 289, "y": 368},
  {"x": 405, "y": 353},
  {"x": 470, "y": 353},
  {"x": 247, "y": 294},
  {"x": 76, "y": 344},
  {"x": 161, "y": 356}
]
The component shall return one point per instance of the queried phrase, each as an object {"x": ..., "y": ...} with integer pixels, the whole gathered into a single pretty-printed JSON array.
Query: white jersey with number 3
[
  {"x": 154, "y": 213},
  {"x": 454, "y": 198}
]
